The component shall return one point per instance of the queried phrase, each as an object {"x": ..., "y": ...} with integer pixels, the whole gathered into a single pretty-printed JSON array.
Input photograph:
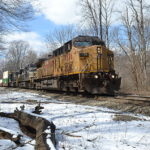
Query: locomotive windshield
[
  {"x": 82, "y": 44},
  {"x": 85, "y": 41}
]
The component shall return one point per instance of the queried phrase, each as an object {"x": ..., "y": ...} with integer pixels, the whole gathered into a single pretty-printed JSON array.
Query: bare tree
[
  {"x": 91, "y": 16},
  {"x": 31, "y": 57},
  {"x": 18, "y": 55},
  {"x": 97, "y": 15},
  {"x": 108, "y": 6},
  {"x": 13, "y": 14},
  {"x": 133, "y": 39},
  {"x": 2, "y": 62},
  {"x": 59, "y": 36}
]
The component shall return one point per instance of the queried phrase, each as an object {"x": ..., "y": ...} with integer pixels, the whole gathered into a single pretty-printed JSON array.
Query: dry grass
[
  {"x": 32, "y": 101},
  {"x": 120, "y": 117}
]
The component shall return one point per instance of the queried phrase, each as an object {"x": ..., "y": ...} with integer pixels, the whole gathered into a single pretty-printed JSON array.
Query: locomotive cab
[{"x": 93, "y": 54}]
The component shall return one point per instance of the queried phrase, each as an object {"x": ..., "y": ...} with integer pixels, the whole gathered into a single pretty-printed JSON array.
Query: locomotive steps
[{"x": 32, "y": 125}]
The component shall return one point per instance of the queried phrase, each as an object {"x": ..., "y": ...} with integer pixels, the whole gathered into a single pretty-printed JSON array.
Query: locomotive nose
[{"x": 99, "y": 58}]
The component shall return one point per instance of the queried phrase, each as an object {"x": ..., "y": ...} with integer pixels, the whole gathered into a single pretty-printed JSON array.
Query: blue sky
[
  {"x": 51, "y": 14},
  {"x": 41, "y": 25}
]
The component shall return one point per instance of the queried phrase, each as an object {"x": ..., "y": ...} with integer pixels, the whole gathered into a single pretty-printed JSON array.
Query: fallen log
[
  {"x": 42, "y": 129},
  {"x": 10, "y": 135}
]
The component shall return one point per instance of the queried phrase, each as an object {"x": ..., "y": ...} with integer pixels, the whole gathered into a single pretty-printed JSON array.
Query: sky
[{"x": 50, "y": 14}]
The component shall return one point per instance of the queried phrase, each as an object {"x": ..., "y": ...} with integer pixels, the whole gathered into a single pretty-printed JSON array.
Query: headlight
[
  {"x": 99, "y": 50},
  {"x": 113, "y": 76},
  {"x": 96, "y": 76}
]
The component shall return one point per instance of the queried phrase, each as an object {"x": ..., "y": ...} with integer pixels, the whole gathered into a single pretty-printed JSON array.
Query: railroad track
[
  {"x": 118, "y": 96},
  {"x": 137, "y": 98}
]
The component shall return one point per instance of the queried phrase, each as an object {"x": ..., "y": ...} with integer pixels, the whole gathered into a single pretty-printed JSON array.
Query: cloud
[
  {"x": 34, "y": 39},
  {"x": 59, "y": 11}
]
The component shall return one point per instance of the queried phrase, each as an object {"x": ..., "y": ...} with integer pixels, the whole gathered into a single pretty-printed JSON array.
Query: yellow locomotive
[{"x": 83, "y": 64}]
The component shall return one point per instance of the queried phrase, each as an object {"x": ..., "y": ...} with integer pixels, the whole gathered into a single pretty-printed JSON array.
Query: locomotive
[{"x": 83, "y": 64}]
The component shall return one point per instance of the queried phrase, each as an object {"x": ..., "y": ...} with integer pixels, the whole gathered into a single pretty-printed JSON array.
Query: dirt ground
[{"x": 120, "y": 105}]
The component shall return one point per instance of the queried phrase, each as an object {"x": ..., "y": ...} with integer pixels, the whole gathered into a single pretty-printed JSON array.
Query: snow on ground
[
  {"x": 12, "y": 126},
  {"x": 80, "y": 127},
  {"x": 21, "y": 96}
]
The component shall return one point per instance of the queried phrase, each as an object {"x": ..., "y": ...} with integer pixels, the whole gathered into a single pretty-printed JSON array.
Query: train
[{"x": 83, "y": 64}]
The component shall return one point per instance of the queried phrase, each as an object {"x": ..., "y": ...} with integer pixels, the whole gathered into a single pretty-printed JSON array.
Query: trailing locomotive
[{"x": 83, "y": 64}]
